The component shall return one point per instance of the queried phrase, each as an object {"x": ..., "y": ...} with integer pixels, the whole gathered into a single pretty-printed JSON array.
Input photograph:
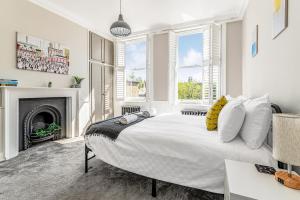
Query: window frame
[
  {"x": 177, "y": 67},
  {"x": 214, "y": 35},
  {"x": 137, "y": 99}
]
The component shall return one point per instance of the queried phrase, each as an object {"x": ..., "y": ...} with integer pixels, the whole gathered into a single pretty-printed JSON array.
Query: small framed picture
[
  {"x": 254, "y": 43},
  {"x": 280, "y": 17}
]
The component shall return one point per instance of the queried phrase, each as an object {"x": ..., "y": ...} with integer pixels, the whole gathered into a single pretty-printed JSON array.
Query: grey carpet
[{"x": 54, "y": 171}]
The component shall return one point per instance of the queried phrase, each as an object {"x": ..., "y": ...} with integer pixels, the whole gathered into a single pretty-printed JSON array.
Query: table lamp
[{"x": 286, "y": 147}]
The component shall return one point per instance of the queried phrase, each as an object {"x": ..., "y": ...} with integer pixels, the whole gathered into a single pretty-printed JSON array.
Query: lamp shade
[
  {"x": 120, "y": 28},
  {"x": 286, "y": 138}
]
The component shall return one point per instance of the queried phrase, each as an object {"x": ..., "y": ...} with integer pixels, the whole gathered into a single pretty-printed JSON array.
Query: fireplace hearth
[{"x": 40, "y": 120}]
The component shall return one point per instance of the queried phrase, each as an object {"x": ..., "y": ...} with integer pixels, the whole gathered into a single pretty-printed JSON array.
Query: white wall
[
  {"x": 25, "y": 17},
  {"x": 234, "y": 58},
  {"x": 161, "y": 67},
  {"x": 276, "y": 68}
]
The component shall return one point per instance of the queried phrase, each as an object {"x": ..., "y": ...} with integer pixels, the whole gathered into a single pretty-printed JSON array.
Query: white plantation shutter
[
  {"x": 211, "y": 63},
  {"x": 216, "y": 61},
  {"x": 120, "y": 71},
  {"x": 120, "y": 54},
  {"x": 120, "y": 79},
  {"x": 206, "y": 66}
]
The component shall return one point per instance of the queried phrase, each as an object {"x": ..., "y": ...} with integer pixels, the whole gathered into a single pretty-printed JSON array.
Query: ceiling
[{"x": 144, "y": 15}]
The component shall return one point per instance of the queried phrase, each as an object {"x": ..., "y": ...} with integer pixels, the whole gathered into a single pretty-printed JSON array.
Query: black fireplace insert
[{"x": 40, "y": 120}]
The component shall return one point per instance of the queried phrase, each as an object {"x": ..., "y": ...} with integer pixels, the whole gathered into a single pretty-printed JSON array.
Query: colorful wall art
[
  {"x": 41, "y": 55},
  {"x": 254, "y": 43},
  {"x": 280, "y": 16}
]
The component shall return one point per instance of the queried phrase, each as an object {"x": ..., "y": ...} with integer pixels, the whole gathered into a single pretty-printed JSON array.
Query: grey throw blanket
[{"x": 110, "y": 128}]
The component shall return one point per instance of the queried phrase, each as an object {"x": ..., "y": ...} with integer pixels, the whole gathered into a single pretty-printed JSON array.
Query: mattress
[{"x": 177, "y": 149}]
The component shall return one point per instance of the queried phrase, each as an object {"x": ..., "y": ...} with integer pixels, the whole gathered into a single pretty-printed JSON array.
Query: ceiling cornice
[
  {"x": 46, "y": 4},
  {"x": 217, "y": 20},
  {"x": 243, "y": 9}
]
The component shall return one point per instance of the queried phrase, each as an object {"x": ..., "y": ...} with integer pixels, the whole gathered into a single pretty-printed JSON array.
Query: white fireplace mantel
[{"x": 9, "y": 101}]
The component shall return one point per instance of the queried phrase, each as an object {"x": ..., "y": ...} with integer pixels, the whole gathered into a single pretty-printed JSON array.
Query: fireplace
[{"x": 40, "y": 120}]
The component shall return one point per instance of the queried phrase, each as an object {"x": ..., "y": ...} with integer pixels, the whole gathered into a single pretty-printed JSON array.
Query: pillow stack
[{"x": 249, "y": 118}]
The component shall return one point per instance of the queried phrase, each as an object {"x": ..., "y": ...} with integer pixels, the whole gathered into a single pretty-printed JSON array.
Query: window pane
[
  {"x": 135, "y": 54},
  {"x": 190, "y": 81},
  {"x": 190, "y": 49},
  {"x": 135, "y": 68},
  {"x": 136, "y": 83}
]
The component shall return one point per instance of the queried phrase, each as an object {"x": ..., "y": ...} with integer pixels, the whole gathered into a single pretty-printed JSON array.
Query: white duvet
[{"x": 177, "y": 149}]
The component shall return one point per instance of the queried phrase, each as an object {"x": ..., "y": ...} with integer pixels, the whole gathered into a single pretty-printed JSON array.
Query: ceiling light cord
[{"x": 120, "y": 6}]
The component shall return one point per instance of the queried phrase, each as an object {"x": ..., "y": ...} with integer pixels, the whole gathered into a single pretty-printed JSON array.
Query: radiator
[
  {"x": 194, "y": 112},
  {"x": 130, "y": 109}
]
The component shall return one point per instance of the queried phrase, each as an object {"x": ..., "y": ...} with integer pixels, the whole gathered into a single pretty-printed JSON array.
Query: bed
[{"x": 177, "y": 149}]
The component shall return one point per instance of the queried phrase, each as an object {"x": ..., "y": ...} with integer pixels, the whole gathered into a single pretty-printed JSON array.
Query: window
[
  {"x": 131, "y": 70},
  {"x": 190, "y": 67},
  {"x": 136, "y": 68},
  {"x": 198, "y": 65}
]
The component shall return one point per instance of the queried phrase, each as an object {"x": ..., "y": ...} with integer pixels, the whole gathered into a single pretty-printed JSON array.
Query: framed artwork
[
  {"x": 280, "y": 16},
  {"x": 41, "y": 55},
  {"x": 254, "y": 42}
]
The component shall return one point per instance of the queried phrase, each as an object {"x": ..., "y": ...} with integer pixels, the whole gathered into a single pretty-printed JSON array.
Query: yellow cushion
[{"x": 213, "y": 114}]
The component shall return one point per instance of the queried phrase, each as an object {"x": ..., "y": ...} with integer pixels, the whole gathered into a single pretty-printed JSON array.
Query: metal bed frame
[
  {"x": 87, "y": 158},
  {"x": 276, "y": 109}
]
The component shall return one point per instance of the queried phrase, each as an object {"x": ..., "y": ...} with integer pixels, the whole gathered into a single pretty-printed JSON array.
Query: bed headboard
[{"x": 269, "y": 140}]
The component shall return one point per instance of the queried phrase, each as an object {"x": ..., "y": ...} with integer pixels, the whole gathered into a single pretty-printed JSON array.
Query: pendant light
[{"x": 120, "y": 28}]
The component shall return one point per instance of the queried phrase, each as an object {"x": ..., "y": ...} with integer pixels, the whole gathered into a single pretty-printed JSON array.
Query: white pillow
[
  {"x": 230, "y": 98},
  {"x": 257, "y": 122},
  {"x": 230, "y": 120},
  {"x": 262, "y": 99}
]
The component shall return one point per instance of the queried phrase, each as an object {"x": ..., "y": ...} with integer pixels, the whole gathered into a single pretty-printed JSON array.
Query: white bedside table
[{"x": 244, "y": 182}]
